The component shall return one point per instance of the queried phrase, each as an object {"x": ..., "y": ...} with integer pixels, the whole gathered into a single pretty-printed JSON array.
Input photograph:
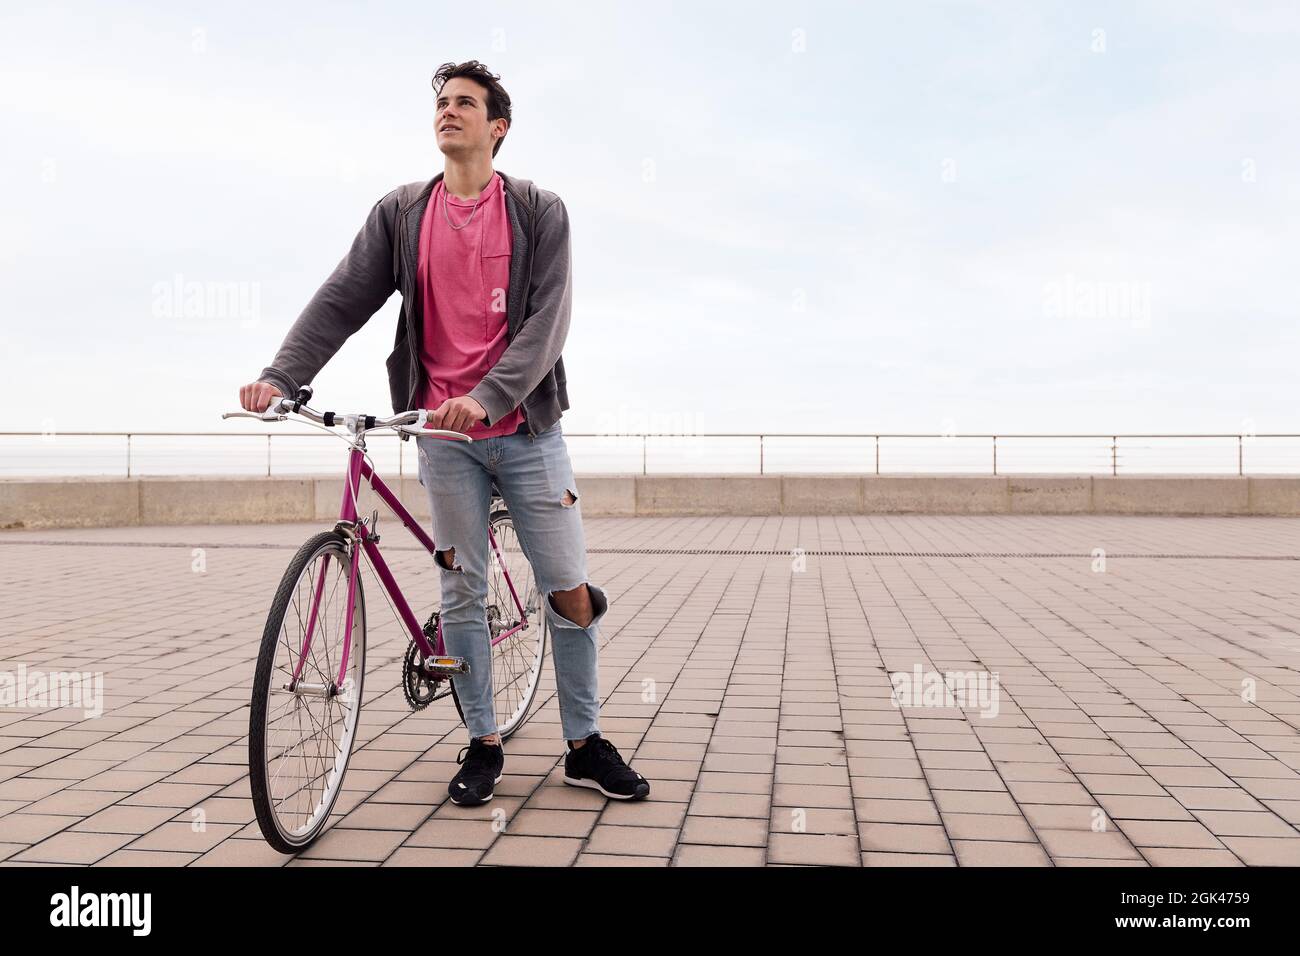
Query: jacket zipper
[
  {"x": 407, "y": 308},
  {"x": 531, "y": 235},
  {"x": 528, "y": 281},
  {"x": 408, "y": 303}
]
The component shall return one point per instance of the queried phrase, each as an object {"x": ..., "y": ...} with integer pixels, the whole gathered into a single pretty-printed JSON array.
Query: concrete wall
[{"x": 108, "y": 502}]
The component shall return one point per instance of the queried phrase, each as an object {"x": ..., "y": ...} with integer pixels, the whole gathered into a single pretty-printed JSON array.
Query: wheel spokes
[
  {"x": 515, "y": 660},
  {"x": 308, "y": 735}
]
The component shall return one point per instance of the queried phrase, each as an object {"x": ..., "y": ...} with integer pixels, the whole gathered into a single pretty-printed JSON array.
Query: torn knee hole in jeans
[
  {"x": 576, "y": 604},
  {"x": 445, "y": 560},
  {"x": 569, "y": 499}
]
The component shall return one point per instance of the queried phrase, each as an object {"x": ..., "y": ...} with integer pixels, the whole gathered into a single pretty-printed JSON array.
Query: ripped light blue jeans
[{"x": 536, "y": 481}]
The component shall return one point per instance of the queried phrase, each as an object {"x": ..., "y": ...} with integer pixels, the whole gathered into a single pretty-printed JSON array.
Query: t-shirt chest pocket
[{"x": 495, "y": 259}]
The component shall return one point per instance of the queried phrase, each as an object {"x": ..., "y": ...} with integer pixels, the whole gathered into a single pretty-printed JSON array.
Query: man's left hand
[{"x": 458, "y": 414}]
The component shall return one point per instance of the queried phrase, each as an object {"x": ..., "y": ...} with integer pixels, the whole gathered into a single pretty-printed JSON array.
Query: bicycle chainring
[{"x": 418, "y": 688}]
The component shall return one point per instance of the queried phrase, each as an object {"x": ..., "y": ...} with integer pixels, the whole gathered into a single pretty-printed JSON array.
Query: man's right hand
[{"x": 258, "y": 396}]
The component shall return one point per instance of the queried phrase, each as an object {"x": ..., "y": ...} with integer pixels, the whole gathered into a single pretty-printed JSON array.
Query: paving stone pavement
[{"x": 1146, "y": 708}]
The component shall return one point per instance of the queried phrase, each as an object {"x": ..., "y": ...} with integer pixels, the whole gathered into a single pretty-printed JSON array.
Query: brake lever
[
  {"x": 417, "y": 429},
  {"x": 433, "y": 433},
  {"x": 266, "y": 416}
]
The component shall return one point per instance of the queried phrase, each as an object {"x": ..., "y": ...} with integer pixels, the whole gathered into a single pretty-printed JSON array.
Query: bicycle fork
[{"x": 302, "y": 688}]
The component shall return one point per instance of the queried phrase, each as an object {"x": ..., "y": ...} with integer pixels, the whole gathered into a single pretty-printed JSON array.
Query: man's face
[{"x": 460, "y": 119}]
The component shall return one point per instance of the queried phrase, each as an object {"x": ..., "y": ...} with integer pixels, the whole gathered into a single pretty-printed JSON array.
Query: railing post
[
  {"x": 995, "y": 454},
  {"x": 128, "y": 454},
  {"x": 268, "y": 456},
  {"x": 1114, "y": 455},
  {"x": 877, "y": 454},
  {"x": 1239, "y": 457},
  {"x": 760, "y": 454},
  {"x": 644, "y": 439}
]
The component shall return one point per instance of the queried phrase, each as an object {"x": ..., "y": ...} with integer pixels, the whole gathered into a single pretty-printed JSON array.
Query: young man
[{"x": 482, "y": 262}]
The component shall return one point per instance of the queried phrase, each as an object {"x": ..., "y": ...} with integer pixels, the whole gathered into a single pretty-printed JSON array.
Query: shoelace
[
  {"x": 605, "y": 748},
  {"x": 466, "y": 751}
]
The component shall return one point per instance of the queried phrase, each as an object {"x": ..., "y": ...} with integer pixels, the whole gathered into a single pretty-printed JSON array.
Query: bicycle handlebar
[{"x": 281, "y": 408}]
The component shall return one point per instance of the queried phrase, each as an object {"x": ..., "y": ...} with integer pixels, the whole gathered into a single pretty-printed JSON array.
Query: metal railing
[{"x": 868, "y": 453}]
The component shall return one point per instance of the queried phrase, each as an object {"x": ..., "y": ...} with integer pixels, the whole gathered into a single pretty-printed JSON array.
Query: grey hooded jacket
[{"x": 383, "y": 259}]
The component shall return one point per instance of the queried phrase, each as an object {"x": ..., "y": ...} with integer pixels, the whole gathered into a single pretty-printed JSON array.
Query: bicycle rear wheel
[
  {"x": 517, "y": 660},
  {"x": 303, "y": 720}
]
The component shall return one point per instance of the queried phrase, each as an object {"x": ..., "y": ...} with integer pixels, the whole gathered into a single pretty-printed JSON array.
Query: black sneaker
[
  {"x": 480, "y": 771},
  {"x": 598, "y": 765}
]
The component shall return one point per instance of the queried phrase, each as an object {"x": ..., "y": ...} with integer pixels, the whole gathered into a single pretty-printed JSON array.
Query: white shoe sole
[
  {"x": 478, "y": 803},
  {"x": 593, "y": 785}
]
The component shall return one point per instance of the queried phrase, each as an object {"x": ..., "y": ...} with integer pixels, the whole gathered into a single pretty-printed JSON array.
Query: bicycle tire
[{"x": 335, "y": 545}]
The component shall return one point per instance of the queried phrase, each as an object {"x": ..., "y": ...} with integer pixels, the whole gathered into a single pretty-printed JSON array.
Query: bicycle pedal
[{"x": 438, "y": 667}]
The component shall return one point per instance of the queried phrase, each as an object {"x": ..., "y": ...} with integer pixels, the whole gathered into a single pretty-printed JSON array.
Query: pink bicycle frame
[{"x": 359, "y": 469}]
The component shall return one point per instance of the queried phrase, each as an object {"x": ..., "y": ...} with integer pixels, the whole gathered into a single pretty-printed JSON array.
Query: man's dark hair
[{"x": 498, "y": 100}]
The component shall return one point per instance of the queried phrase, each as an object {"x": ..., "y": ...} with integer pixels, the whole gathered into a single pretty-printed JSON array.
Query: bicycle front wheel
[{"x": 304, "y": 713}]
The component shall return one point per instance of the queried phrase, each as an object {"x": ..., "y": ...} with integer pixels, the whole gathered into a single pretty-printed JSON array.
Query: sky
[{"x": 817, "y": 217}]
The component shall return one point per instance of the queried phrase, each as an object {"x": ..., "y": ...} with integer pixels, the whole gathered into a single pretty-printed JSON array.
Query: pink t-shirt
[{"x": 464, "y": 277}]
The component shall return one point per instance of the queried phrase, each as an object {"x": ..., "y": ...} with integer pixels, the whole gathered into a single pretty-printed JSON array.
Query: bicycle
[{"x": 310, "y": 671}]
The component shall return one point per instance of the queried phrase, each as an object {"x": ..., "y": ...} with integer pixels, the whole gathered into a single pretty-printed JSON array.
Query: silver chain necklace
[{"x": 446, "y": 215}]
